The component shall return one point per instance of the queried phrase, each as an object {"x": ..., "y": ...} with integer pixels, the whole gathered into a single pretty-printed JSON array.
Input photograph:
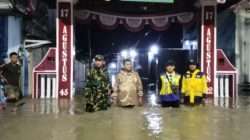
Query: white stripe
[
  {"x": 221, "y": 86},
  {"x": 72, "y": 49},
  {"x": 202, "y": 37},
  {"x": 56, "y": 91},
  {"x": 48, "y": 95},
  {"x": 226, "y": 86},
  {"x": 54, "y": 87},
  {"x": 57, "y": 48},
  {"x": 215, "y": 46},
  {"x": 33, "y": 86},
  {"x": 216, "y": 94},
  {"x": 36, "y": 94},
  {"x": 42, "y": 87}
]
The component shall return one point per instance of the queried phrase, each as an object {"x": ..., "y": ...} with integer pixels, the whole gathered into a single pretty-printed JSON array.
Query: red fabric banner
[{"x": 133, "y": 23}]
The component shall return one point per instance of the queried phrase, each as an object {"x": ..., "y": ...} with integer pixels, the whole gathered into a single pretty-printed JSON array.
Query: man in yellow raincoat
[{"x": 194, "y": 84}]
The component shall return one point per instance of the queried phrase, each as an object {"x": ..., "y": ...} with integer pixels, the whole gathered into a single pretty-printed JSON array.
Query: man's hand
[
  {"x": 114, "y": 100},
  {"x": 4, "y": 80},
  {"x": 204, "y": 95},
  {"x": 140, "y": 100},
  {"x": 109, "y": 92}
]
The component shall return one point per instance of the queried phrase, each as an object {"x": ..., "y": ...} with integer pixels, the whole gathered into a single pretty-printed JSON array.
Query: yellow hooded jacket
[{"x": 194, "y": 84}]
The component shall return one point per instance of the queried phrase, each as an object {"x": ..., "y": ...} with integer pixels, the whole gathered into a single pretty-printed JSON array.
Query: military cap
[
  {"x": 170, "y": 63},
  {"x": 192, "y": 62},
  {"x": 99, "y": 57}
]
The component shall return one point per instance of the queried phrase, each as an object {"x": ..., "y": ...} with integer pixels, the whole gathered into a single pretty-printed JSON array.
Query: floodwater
[{"x": 219, "y": 119}]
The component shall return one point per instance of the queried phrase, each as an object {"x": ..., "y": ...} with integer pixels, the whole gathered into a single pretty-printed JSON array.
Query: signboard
[
  {"x": 64, "y": 49},
  {"x": 208, "y": 48},
  {"x": 151, "y": 1}
]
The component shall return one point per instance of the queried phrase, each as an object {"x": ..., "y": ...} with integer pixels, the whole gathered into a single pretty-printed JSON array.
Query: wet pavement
[{"x": 219, "y": 119}]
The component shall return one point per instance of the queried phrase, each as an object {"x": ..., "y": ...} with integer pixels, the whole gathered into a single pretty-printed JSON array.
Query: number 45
[{"x": 64, "y": 92}]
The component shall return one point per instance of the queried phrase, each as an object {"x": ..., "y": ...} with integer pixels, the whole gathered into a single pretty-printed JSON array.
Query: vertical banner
[
  {"x": 64, "y": 49},
  {"x": 208, "y": 46}
]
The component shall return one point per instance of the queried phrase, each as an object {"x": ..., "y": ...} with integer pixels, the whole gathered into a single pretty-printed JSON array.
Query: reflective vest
[
  {"x": 165, "y": 84},
  {"x": 194, "y": 84}
]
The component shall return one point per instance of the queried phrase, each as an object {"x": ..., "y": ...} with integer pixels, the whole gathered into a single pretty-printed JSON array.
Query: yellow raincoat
[{"x": 194, "y": 84}]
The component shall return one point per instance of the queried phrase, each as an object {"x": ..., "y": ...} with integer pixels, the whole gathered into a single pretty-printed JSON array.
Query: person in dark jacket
[{"x": 10, "y": 74}]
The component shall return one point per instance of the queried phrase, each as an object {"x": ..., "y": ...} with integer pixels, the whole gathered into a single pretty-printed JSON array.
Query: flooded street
[{"x": 64, "y": 120}]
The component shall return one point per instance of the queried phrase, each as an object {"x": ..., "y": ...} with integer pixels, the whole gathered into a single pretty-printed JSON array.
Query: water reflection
[
  {"x": 50, "y": 106},
  {"x": 225, "y": 102},
  {"x": 154, "y": 122},
  {"x": 76, "y": 106},
  {"x": 152, "y": 100},
  {"x": 219, "y": 118}
]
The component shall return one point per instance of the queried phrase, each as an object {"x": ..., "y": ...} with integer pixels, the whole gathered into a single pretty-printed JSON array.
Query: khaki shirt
[{"x": 127, "y": 88}]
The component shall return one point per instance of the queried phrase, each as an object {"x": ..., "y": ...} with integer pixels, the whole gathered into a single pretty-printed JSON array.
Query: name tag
[{"x": 198, "y": 76}]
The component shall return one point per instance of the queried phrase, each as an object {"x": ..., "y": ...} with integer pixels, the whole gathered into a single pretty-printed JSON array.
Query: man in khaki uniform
[{"x": 128, "y": 90}]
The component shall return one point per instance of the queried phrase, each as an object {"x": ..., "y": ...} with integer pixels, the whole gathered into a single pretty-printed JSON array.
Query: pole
[
  {"x": 89, "y": 46},
  {"x": 156, "y": 74},
  {"x": 149, "y": 66},
  {"x": 192, "y": 52},
  {"x": 23, "y": 76}
]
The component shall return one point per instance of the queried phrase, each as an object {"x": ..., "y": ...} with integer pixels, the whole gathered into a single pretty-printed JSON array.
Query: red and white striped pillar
[
  {"x": 208, "y": 43},
  {"x": 64, "y": 45}
]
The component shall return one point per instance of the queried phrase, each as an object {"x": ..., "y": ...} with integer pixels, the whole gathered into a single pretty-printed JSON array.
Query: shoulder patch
[
  {"x": 187, "y": 75},
  {"x": 200, "y": 73},
  {"x": 178, "y": 75}
]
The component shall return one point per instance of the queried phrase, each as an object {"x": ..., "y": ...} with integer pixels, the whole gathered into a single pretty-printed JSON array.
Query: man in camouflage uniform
[{"x": 98, "y": 87}]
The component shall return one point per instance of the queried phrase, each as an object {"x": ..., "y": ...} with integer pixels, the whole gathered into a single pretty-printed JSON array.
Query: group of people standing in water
[{"x": 189, "y": 88}]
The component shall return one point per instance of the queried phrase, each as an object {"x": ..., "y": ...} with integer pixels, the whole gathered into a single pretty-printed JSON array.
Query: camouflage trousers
[{"x": 97, "y": 102}]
